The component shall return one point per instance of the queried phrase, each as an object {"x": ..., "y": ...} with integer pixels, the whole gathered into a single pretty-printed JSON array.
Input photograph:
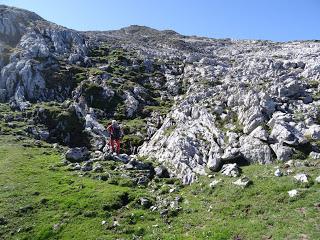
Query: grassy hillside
[{"x": 41, "y": 200}]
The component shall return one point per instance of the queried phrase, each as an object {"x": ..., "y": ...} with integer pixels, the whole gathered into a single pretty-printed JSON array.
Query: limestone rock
[
  {"x": 278, "y": 173},
  {"x": 302, "y": 178},
  {"x": 77, "y": 154},
  {"x": 293, "y": 193},
  {"x": 243, "y": 182},
  {"x": 231, "y": 170},
  {"x": 214, "y": 183},
  {"x": 282, "y": 152}
]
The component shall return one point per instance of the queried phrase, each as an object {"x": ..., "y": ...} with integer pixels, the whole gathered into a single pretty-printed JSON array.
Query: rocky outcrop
[
  {"x": 199, "y": 103},
  {"x": 36, "y": 47}
]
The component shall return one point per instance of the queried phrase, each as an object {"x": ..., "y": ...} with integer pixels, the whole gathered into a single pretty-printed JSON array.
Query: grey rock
[
  {"x": 302, "y": 178},
  {"x": 3, "y": 95},
  {"x": 74, "y": 167},
  {"x": 97, "y": 167},
  {"x": 231, "y": 170},
  {"x": 278, "y": 173},
  {"x": 255, "y": 151},
  {"x": 145, "y": 202},
  {"x": 77, "y": 154},
  {"x": 161, "y": 172},
  {"x": 282, "y": 152},
  {"x": 313, "y": 132},
  {"x": 293, "y": 193},
  {"x": 214, "y": 183},
  {"x": 243, "y": 182},
  {"x": 291, "y": 88},
  {"x": 314, "y": 155},
  {"x": 87, "y": 166}
]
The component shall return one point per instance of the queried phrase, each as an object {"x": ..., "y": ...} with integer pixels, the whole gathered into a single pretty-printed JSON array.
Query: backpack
[{"x": 116, "y": 133}]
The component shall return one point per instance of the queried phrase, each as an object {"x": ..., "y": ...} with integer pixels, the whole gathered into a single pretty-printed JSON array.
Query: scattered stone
[
  {"x": 115, "y": 223},
  {"x": 56, "y": 227},
  {"x": 137, "y": 165},
  {"x": 313, "y": 132},
  {"x": 87, "y": 166},
  {"x": 231, "y": 170},
  {"x": 317, "y": 180},
  {"x": 124, "y": 158},
  {"x": 142, "y": 180},
  {"x": 278, "y": 173},
  {"x": 314, "y": 155},
  {"x": 174, "y": 204},
  {"x": 145, "y": 202},
  {"x": 293, "y": 193},
  {"x": 44, "y": 200},
  {"x": 302, "y": 178},
  {"x": 25, "y": 209},
  {"x": 283, "y": 153},
  {"x": 164, "y": 212},
  {"x": 97, "y": 167},
  {"x": 74, "y": 167},
  {"x": 289, "y": 171},
  {"x": 153, "y": 208},
  {"x": 214, "y": 183},
  {"x": 290, "y": 163},
  {"x": 243, "y": 182},
  {"x": 103, "y": 222}
]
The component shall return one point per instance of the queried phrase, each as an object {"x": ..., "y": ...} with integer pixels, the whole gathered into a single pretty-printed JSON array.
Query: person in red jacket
[{"x": 116, "y": 134}]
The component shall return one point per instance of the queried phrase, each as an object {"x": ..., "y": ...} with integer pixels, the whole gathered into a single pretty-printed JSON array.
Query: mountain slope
[
  {"x": 253, "y": 101},
  {"x": 222, "y": 136}
]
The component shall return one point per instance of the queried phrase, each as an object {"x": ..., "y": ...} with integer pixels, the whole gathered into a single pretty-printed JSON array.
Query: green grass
[
  {"x": 57, "y": 197},
  {"x": 34, "y": 177}
]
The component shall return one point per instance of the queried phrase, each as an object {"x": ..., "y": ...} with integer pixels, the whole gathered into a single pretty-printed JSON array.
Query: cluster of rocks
[
  {"x": 232, "y": 170},
  {"x": 128, "y": 166},
  {"x": 301, "y": 178}
]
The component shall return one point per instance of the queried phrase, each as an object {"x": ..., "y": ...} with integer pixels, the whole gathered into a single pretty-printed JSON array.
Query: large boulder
[
  {"x": 78, "y": 154},
  {"x": 254, "y": 150}
]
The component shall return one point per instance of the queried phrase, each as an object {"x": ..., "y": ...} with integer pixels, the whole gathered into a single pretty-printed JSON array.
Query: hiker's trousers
[{"x": 114, "y": 142}]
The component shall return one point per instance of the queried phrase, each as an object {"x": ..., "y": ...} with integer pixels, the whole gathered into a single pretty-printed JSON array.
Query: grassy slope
[{"x": 263, "y": 210}]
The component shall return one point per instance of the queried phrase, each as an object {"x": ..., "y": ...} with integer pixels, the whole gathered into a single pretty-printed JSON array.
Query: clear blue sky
[{"x": 278, "y": 20}]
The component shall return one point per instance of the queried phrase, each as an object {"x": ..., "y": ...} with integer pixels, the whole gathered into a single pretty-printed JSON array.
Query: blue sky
[{"x": 279, "y": 20}]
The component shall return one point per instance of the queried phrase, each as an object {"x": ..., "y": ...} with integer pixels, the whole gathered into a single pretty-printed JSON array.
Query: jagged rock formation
[{"x": 203, "y": 102}]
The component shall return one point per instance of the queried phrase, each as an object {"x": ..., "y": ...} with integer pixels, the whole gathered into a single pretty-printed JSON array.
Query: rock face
[
  {"x": 35, "y": 47},
  {"x": 201, "y": 102}
]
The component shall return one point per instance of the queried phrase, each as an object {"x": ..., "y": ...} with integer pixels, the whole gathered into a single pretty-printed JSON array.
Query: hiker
[{"x": 116, "y": 134}]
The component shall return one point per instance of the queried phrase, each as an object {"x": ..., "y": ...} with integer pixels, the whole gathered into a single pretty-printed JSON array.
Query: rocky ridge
[{"x": 191, "y": 104}]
